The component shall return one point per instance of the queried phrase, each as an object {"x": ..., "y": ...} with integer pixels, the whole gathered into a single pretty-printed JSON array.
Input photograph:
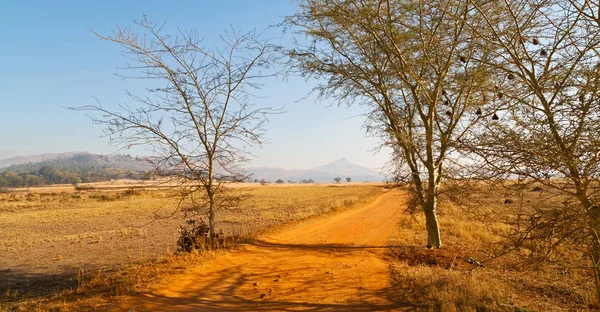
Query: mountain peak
[
  {"x": 325, "y": 173},
  {"x": 342, "y": 161}
]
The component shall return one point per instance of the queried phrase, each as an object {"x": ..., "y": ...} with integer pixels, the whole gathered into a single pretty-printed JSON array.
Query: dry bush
[{"x": 84, "y": 187}]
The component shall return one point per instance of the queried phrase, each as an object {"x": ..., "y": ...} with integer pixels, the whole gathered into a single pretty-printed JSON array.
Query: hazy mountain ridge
[
  {"x": 340, "y": 168},
  {"x": 62, "y": 160},
  {"x": 71, "y": 167},
  {"x": 21, "y": 160},
  {"x": 88, "y": 167}
]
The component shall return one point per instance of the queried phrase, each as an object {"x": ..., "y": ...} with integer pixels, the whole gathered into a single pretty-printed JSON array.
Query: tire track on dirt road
[{"x": 333, "y": 263}]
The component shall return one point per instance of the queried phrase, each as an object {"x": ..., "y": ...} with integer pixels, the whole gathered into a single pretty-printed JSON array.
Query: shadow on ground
[{"x": 306, "y": 277}]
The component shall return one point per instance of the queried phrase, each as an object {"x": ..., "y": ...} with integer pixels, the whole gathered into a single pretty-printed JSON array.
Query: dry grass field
[
  {"x": 449, "y": 280},
  {"x": 55, "y": 239},
  {"x": 68, "y": 250}
]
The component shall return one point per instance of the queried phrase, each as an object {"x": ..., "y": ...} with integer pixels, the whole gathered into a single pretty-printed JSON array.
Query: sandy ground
[{"x": 333, "y": 263}]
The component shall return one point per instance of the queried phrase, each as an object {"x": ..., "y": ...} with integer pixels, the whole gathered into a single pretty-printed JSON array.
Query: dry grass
[
  {"x": 60, "y": 245},
  {"x": 449, "y": 280},
  {"x": 64, "y": 250}
]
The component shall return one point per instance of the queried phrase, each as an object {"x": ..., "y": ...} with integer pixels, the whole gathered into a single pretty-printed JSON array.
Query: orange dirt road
[{"x": 333, "y": 263}]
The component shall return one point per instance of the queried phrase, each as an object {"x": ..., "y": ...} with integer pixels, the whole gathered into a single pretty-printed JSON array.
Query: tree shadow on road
[{"x": 307, "y": 277}]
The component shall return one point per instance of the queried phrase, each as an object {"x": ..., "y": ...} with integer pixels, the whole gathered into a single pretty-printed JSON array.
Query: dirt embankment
[{"x": 334, "y": 263}]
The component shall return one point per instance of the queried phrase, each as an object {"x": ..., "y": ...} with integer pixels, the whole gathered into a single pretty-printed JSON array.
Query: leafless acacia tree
[
  {"x": 197, "y": 115},
  {"x": 418, "y": 68},
  {"x": 547, "y": 53}
]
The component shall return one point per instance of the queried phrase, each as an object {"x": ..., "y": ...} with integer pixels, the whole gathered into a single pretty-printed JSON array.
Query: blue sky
[{"x": 49, "y": 60}]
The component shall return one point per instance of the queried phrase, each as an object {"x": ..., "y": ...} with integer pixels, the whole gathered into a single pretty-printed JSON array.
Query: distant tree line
[
  {"x": 31, "y": 175},
  {"x": 279, "y": 181}
]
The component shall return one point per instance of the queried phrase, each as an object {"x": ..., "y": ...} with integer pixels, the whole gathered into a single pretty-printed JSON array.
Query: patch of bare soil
[{"x": 335, "y": 263}]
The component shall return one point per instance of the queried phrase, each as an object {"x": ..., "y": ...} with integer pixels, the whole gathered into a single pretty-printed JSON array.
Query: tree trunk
[
  {"x": 594, "y": 223},
  {"x": 595, "y": 266},
  {"x": 211, "y": 220},
  {"x": 593, "y": 213},
  {"x": 431, "y": 222}
]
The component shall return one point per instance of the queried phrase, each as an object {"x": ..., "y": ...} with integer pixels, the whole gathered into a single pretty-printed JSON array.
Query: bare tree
[
  {"x": 547, "y": 54},
  {"x": 416, "y": 66},
  {"x": 197, "y": 116}
]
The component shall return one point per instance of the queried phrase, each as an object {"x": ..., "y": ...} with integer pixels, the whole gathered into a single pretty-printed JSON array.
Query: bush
[
  {"x": 193, "y": 237},
  {"x": 84, "y": 188},
  {"x": 131, "y": 192},
  {"x": 4, "y": 190}
]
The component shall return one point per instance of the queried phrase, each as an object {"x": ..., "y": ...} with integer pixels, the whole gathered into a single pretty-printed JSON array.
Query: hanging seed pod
[
  {"x": 543, "y": 52},
  {"x": 484, "y": 98},
  {"x": 463, "y": 59},
  {"x": 443, "y": 92},
  {"x": 535, "y": 41},
  {"x": 446, "y": 102},
  {"x": 556, "y": 85},
  {"x": 500, "y": 95},
  {"x": 495, "y": 117},
  {"x": 511, "y": 76},
  {"x": 448, "y": 113},
  {"x": 582, "y": 98},
  {"x": 496, "y": 87},
  {"x": 478, "y": 112}
]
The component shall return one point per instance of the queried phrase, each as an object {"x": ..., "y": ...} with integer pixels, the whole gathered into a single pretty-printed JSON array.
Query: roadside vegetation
[{"x": 480, "y": 268}]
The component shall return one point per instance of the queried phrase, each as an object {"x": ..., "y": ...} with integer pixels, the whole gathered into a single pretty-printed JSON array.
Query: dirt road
[{"x": 332, "y": 263}]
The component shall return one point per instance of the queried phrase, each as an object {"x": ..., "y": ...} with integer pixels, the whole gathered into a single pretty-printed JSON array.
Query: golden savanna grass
[
  {"x": 449, "y": 280},
  {"x": 67, "y": 250},
  {"x": 60, "y": 245}
]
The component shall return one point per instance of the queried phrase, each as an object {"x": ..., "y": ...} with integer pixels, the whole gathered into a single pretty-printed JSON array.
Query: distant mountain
[
  {"x": 72, "y": 167},
  {"x": 340, "y": 168},
  {"x": 61, "y": 160}
]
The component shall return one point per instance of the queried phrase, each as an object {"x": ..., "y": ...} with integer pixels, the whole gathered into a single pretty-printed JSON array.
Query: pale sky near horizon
[{"x": 50, "y": 60}]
